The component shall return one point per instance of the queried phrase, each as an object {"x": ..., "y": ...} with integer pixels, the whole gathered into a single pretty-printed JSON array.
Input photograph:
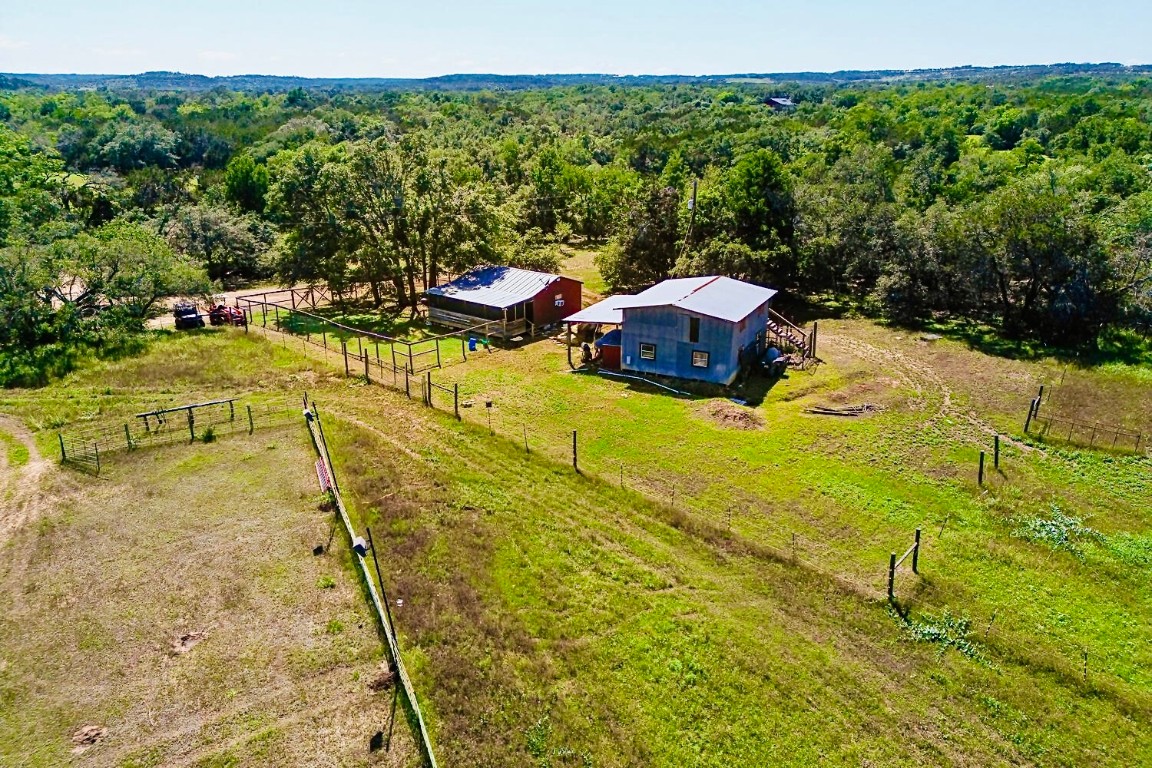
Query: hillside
[{"x": 179, "y": 81}]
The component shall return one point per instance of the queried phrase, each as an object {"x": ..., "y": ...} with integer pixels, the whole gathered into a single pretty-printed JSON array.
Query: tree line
[{"x": 1027, "y": 206}]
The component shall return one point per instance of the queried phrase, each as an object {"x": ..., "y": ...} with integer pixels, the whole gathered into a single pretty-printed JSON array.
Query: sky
[{"x": 362, "y": 38}]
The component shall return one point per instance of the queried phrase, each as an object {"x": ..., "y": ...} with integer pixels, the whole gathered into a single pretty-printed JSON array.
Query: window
[
  {"x": 699, "y": 359},
  {"x": 693, "y": 329},
  {"x": 647, "y": 351}
]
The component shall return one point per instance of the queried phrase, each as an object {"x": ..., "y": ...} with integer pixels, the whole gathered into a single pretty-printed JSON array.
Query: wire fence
[
  {"x": 88, "y": 448},
  {"x": 1044, "y": 423}
]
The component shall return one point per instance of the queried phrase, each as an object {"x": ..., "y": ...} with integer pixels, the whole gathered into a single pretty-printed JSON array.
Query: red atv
[{"x": 221, "y": 314}]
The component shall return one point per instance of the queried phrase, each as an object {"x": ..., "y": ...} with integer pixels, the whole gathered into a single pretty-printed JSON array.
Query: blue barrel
[{"x": 471, "y": 343}]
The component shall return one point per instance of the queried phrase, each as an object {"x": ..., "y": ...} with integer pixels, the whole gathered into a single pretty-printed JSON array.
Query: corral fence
[
  {"x": 88, "y": 448},
  {"x": 389, "y": 353},
  {"x": 1045, "y": 424}
]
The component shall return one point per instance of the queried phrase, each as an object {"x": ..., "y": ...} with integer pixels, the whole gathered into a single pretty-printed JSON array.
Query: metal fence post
[
  {"x": 575, "y": 463},
  {"x": 996, "y": 452},
  {"x": 63, "y": 453},
  {"x": 892, "y": 577},
  {"x": 916, "y": 554},
  {"x": 366, "y": 378},
  {"x": 428, "y": 400},
  {"x": 128, "y": 437},
  {"x": 344, "y": 349},
  {"x": 251, "y": 424},
  {"x": 407, "y": 387},
  {"x": 456, "y": 400},
  {"x": 980, "y": 473},
  {"x": 191, "y": 426}
]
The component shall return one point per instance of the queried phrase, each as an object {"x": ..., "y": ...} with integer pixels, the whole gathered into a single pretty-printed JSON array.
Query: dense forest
[{"x": 1023, "y": 205}]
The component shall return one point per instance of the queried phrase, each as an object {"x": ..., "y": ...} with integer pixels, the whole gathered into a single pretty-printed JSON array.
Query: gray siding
[{"x": 668, "y": 328}]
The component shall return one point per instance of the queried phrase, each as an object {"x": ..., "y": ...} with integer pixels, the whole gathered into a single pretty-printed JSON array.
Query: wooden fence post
[
  {"x": 96, "y": 447},
  {"x": 916, "y": 554},
  {"x": 128, "y": 437},
  {"x": 191, "y": 425}
]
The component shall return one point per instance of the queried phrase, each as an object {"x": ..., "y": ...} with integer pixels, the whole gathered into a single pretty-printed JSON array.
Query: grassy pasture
[
  {"x": 567, "y": 592},
  {"x": 105, "y": 574},
  {"x": 550, "y": 618}
]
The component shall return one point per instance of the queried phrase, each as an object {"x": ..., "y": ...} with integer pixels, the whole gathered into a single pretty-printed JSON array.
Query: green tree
[{"x": 246, "y": 183}]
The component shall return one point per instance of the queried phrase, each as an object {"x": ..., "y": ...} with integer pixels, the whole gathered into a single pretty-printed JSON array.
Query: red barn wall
[{"x": 544, "y": 307}]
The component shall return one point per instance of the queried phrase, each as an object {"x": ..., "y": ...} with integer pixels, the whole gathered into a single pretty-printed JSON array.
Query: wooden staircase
[{"x": 791, "y": 337}]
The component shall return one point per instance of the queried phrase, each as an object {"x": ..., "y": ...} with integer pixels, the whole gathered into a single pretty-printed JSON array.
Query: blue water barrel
[{"x": 471, "y": 343}]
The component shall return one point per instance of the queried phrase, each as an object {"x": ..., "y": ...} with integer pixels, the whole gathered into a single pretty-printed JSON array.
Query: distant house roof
[
  {"x": 780, "y": 101},
  {"x": 499, "y": 287},
  {"x": 605, "y": 312},
  {"x": 719, "y": 297}
]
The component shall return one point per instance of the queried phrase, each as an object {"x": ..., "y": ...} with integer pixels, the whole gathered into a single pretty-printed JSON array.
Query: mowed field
[{"x": 172, "y": 606}]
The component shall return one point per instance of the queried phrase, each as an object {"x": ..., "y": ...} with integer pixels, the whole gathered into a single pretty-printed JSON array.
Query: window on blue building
[
  {"x": 699, "y": 359},
  {"x": 647, "y": 351},
  {"x": 693, "y": 330}
]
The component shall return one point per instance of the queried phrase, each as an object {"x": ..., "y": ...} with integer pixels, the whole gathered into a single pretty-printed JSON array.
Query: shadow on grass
[{"x": 1114, "y": 345}]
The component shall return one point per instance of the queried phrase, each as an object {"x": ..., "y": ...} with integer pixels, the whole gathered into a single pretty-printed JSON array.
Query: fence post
[
  {"x": 1031, "y": 413},
  {"x": 980, "y": 474},
  {"x": 575, "y": 463},
  {"x": 996, "y": 452},
  {"x": 191, "y": 426},
  {"x": 344, "y": 349},
  {"x": 96, "y": 447},
  {"x": 916, "y": 554},
  {"x": 463, "y": 346},
  {"x": 63, "y": 453},
  {"x": 251, "y": 424},
  {"x": 128, "y": 437},
  {"x": 892, "y": 577},
  {"x": 812, "y": 344},
  {"x": 429, "y": 401},
  {"x": 407, "y": 389},
  {"x": 456, "y": 400},
  {"x": 1039, "y": 399},
  {"x": 438, "y": 352},
  {"x": 366, "y": 378}
]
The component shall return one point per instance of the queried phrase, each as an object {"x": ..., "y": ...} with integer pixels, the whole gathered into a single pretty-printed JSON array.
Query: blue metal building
[{"x": 702, "y": 328}]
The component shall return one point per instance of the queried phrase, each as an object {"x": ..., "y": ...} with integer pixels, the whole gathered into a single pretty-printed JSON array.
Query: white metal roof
[
  {"x": 716, "y": 296},
  {"x": 605, "y": 312},
  {"x": 499, "y": 287}
]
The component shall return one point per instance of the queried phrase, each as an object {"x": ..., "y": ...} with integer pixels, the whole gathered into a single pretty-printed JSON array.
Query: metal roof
[
  {"x": 499, "y": 287},
  {"x": 605, "y": 312},
  {"x": 720, "y": 297}
]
